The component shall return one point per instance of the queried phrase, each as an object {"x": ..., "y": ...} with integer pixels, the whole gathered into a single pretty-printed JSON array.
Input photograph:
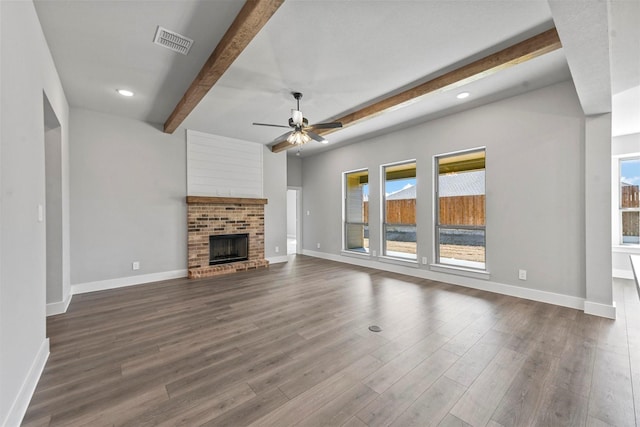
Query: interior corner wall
[
  {"x": 294, "y": 171},
  {"x": 128, "y": 188},
  {"x": 534, "y": 188},
  {"x": 26, "y": 71},
  {"x": 598, "y": 210},
  {"x": 275, "y": 211}
]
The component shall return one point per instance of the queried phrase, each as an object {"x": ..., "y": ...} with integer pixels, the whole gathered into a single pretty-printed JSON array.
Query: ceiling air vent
[{"x": 171, "y": 40}]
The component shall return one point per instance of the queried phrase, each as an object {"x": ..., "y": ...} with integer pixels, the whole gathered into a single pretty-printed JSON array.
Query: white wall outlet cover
[
  {"x": 522, "y": 274},
  {"x": 135, "y": 265},
  {"x": 308, "y": 213},
  {"x": 277, "y": 249},
  {"x": 424, "y": 260},
  {"x": 373, "y": 253},
  {"x": 318, "y": 245},
  {"x": 40, "y": 213}
]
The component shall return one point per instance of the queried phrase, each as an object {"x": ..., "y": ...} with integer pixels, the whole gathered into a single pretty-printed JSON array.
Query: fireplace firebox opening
[{"x": 228, "y": 248}]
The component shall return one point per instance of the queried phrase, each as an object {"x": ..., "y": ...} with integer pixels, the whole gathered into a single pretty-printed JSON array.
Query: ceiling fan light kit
[
  {"x": 302, "y": 132},
  {"x": 298, "y": 138}
]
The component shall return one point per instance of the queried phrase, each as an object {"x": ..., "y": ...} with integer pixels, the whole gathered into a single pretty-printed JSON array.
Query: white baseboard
[
  {"x": 21, "y": 402},
  {"x": 54, "y": 308},
  {"x": 278, "y": 259},
  {"x": 602, "y": 310},
  {"x": 469, "y": 282},
  {"x": 121, "y": 282},
  {"x": 622, "y": 274}
]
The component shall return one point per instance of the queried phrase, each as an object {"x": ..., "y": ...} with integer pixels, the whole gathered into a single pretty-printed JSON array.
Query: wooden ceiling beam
[
  {"x": 250, "y": 20},
  {"x": 518, "y": 53}
]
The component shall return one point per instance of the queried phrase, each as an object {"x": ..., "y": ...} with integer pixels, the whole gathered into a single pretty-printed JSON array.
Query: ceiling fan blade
[
  {"x": 317, "y": 137},
  {"x": 331, "y": 125},
  {"x": 269, "y": 124}
]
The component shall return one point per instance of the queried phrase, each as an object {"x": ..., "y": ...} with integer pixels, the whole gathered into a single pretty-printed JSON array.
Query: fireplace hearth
[{"x": 228, "y": 248}]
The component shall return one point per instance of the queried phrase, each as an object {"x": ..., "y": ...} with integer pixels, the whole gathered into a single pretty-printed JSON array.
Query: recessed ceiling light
[
  {"x": 462, "y": 95},
  {"x": 124, "y": 92}
]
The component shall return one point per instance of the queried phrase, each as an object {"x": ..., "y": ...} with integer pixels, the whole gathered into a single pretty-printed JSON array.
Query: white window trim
[
  {"x": 344, "y": 249},
  {"x": 399, "y": 261},
  {"x": 461, "y": 271},
  {"x": 383, "y": 197},
  {"x": 617, "y": 208},
  {"x": 450, "y": 268}
]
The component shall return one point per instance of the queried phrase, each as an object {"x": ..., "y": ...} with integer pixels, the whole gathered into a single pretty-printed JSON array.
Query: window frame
[
  {"x": 345, "y": 216},
  {"x": 621, "y": 209},
  {"x": 383, "y": 210},
  {"x": 436, "y": 218}
]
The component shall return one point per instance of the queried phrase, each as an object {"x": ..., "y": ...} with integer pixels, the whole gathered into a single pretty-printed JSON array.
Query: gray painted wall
[
  {"x": 275, "y": 211},
  {"x": 597, "y": 208},
  {"x": 294, "y": 171},
  {"x": 26, "y": 71},
  {"x": 128, "y": 188},
  {"x": 53, "y": 211},
  {"x": 534, "y": 185},
  {"x": 291, "y": 212},
  {"x": 625, "y": 145}
]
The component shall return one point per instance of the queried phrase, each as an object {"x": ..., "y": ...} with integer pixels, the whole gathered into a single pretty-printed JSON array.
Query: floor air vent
[{"x": 171, "y": 40}]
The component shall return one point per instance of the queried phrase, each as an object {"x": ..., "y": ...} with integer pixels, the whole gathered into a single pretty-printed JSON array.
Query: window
[
  {"x": 356, "y": 211},
  {"x": 399, "y": 224},
  {"x": 460, "y": 209},
  {"x": 630, "y": 201}
]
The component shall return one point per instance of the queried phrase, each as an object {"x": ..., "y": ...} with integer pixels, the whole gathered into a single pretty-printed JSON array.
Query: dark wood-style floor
[{"x": 290, "y": 346}]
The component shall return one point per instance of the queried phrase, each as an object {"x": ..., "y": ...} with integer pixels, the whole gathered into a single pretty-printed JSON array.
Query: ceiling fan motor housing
[{"x": 293, "y": 124}]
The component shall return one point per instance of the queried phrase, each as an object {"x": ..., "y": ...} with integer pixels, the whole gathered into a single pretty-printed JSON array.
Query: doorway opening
[
  {"x": 53, "y": 202},
  {"x": 293, "y": 221}
]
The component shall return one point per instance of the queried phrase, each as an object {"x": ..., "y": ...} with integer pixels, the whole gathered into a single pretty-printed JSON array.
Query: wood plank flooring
[{"x": 290, "y": 346}]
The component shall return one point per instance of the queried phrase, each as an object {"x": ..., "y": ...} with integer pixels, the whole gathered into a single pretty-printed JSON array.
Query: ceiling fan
[{"x": 302, "y": 132}]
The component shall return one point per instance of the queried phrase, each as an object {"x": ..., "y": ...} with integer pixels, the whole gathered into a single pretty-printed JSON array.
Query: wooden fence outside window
[{"x": 457, "y": 210}]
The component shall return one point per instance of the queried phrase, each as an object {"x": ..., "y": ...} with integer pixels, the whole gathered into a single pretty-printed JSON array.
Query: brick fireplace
[{"x": 217, "y": 216}]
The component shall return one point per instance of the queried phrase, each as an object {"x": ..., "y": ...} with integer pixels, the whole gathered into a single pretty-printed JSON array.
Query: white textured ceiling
[
  {"x": 625, "y": 45},
  {"x": 625, "y": 67},
  {"x": 99, "y": 46},
  {"x": 340, "y": 54}
]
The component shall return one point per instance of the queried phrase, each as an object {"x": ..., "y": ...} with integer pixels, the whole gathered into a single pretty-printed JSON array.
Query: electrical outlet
[
  {"x": 277, "y": 249},
  {"x": 318, "y": 245},
  {"x": 308, "y": 213},
  {"x": 522, "y": 274},
  {"x": 424, "y": 260},
  {"x": 135, "y": 265},
  {"x": 373, "y": 253}
]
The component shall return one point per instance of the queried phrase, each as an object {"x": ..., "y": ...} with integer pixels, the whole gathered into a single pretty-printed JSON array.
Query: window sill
[
  {"x": 460, "y": 271},
  {"x": 626, "y": 249},
  {"x": 354, "y": 254},
  {"x": 398, "y": 261}
]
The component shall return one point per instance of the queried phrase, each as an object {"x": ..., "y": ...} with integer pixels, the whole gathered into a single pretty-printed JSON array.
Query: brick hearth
[{"x": 223, "y": 215}]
